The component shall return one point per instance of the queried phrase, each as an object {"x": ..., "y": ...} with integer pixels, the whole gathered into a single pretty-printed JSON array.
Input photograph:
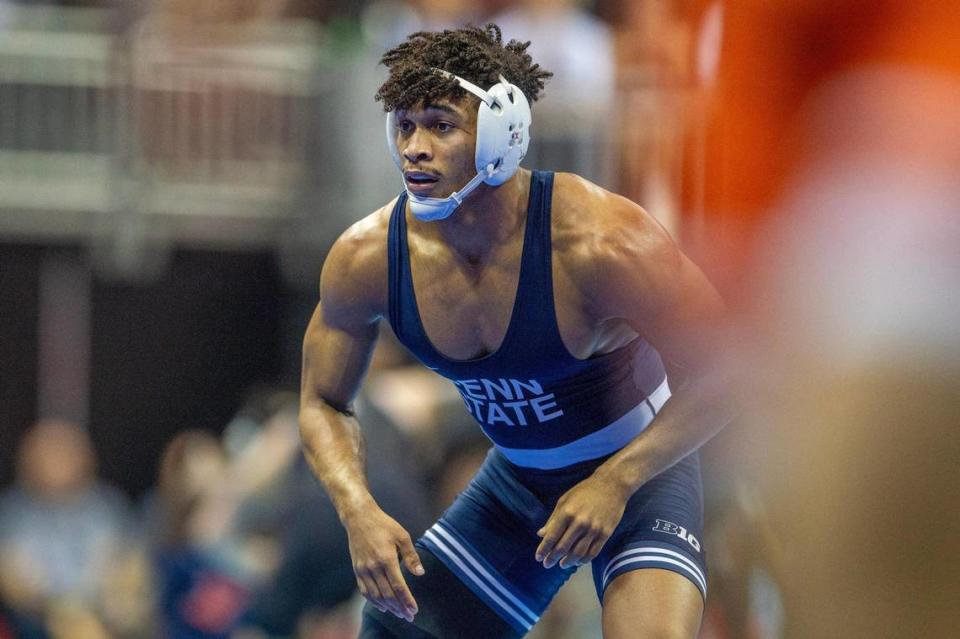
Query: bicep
[
  {"x": 343, "y": 329},
  {"x": 663, "y": 296},
  {"x": 336, "y": 354},
  {"x": 684, "y": 315}
]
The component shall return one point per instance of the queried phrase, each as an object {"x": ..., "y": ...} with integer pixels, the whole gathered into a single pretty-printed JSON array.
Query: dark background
[{"x": 214, "y": 320}]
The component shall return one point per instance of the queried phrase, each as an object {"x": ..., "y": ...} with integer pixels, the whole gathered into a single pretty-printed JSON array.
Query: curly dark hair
[{"x": 473, "y": 53}]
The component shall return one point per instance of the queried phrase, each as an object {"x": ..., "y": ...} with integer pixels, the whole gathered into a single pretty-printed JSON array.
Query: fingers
[
  {"x": 546, "y": 546},
  {"x": 371, "y": 591},
  {"x": 382, "y": 584},
  {"x": 391, "y": 595},
  {"x": 401, "y": 593},
  {"x": 575, "y": 556},
  {"x": 552, "y": 532},
  {"x": 374, "y": 589},
  {"x": 563, "y": 545},
  {"x": 410, "y": 557},
  {"x": 586, "y": 550},
  {"x": 574, "y": 543}
]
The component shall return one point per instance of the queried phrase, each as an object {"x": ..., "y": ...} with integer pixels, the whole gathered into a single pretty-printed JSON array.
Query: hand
[
  {"x": 375, "y": 541},
  {"x": 581, "y": 523}
]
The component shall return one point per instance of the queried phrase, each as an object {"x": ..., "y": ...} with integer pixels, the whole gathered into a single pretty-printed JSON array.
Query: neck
[{"x": 490, "y": 216}]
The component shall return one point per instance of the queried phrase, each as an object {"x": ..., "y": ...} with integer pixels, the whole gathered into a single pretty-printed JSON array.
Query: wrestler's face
[{"x": 436, "y": 142}]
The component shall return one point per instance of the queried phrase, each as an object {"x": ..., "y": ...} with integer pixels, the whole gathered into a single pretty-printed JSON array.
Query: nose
[{"x": 416, "y": 146}]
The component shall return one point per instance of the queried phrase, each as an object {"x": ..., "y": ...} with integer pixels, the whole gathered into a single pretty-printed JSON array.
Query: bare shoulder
[
  {"x": 353, "y": 283},
  {"x": 606, "y": 242}
]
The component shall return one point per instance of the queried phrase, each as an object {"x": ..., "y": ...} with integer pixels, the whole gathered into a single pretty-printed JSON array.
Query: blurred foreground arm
[
  {"x": 668, "y": 300},
  {"x": 637, "y": 275}
]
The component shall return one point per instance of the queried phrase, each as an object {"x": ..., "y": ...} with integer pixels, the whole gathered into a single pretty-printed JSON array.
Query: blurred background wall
[{"x": 172, "y": 174}]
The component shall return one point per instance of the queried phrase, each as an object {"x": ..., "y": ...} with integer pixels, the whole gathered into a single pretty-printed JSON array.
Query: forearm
[
  {"x": 334, "y": 448},
  {"x": 694, "y": 414}
]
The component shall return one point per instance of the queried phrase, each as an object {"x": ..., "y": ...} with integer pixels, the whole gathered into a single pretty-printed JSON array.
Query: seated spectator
[
  {"x": 199, "y": 594},
  {"x": 62, "y": 532}
]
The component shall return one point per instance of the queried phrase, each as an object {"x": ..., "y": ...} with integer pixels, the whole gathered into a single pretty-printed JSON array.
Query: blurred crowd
[
  {"x": 803, "y": 151},
  {"x": 236, "y": 537}
]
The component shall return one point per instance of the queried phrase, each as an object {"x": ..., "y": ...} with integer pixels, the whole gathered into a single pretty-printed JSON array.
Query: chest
[{"x": 466, "y": 308}]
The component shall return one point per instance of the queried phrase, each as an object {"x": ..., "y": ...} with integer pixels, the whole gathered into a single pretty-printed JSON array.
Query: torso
[
  {"x": 466, "y": 309},
  {"x": 549, "y": 369}
]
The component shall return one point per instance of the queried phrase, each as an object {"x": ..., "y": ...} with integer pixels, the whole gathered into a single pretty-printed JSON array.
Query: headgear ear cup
[
  {"x": 503, "y": 135},
  {"x": 392, "y": 140},
  {"x": 503, "y": 132}
]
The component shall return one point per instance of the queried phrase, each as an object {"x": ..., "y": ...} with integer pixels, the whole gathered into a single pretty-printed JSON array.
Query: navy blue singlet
[{"x": 541, "y": 406}]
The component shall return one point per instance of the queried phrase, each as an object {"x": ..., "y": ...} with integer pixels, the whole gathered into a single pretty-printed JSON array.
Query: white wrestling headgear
[{"x": 503, "y": 135}]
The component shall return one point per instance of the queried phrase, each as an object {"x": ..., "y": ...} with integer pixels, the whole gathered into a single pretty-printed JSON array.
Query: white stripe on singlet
[
  {"x": 653, "y": 555},
  {"x": 608, "y": 439},
  {"x": 481, "y": 578}
]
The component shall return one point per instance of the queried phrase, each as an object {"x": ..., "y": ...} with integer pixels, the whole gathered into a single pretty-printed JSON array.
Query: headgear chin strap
[
  {"x": 503, "y": 135},
  {"x": 430, "y": 209}
]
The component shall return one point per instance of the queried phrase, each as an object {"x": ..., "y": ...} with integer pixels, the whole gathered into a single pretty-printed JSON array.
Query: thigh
[
  {"x": 447, "y": 608},
  {"x": 487, "y": 540},
  {"x": 651, "y": 603},
  {"x": 661, "y": 529},
  {"x": 372, "y": 627}
]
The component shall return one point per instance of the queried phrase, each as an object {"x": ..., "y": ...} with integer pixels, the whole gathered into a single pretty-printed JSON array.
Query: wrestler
[{"x": 552, "y": 305}]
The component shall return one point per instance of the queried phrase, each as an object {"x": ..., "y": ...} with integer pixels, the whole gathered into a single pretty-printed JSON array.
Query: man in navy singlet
[{"x": 548, "y": 302}]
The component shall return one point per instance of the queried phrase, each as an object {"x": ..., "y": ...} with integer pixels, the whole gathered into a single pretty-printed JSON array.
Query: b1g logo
[{"x": 671, "y": 528}]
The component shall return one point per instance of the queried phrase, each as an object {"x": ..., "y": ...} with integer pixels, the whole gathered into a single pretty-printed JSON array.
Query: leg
[
  {"x": 373, "y": 629},
  {"x": 482, "y": 580},
  {"x": 447, "y": 609},
  {"x": 651, "y": 576},
  {"x": 651, "y": 604}
]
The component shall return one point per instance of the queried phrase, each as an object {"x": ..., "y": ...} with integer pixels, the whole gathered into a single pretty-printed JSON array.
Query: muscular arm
[
  {"x": 668, "y": 300},
  {"x": 633, "y": 273},
  {"x": 336, "y": 351},
  {"x": 334, "y": 361}
]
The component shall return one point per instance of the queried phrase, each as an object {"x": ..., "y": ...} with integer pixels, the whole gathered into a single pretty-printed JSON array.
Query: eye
[
  {"x": 405, "y": 126},
  {"x": 444, "y": 127}
]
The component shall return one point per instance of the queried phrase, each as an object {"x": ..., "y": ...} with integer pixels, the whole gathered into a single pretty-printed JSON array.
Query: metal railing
[
  {"x": 151, "y": 137},
  {"x": 97, "y": 129}
]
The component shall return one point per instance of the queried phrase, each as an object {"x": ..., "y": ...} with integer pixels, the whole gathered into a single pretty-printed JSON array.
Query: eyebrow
[{"x": 443, "y": 107}]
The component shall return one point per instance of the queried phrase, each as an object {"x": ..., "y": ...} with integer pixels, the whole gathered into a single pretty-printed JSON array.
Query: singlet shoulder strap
[
  {"x": 538, "y": 322},
  {"x": 398, "y": 261}
]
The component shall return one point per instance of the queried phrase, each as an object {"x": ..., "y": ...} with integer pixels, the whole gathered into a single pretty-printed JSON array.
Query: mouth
[{"x": 420, "y": 181}]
